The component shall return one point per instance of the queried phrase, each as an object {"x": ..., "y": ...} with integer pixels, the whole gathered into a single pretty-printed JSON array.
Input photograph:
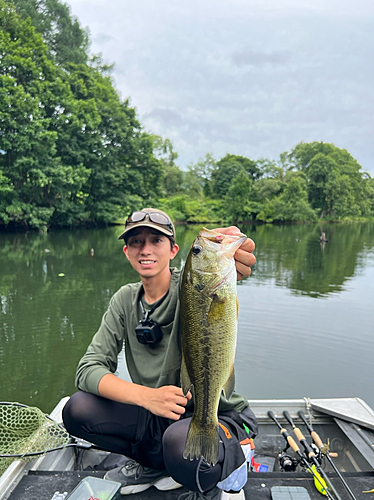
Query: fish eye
[{"x": 196, "y": 249}]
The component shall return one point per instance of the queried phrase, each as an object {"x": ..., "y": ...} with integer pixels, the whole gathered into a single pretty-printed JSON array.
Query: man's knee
[
  {"x": 77, "y": 410},
  {"x": 174, "y": 437}
]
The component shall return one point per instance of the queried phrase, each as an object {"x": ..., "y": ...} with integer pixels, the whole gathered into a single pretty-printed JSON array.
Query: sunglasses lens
[
  {"x": 159, "y": 218},
  {"x": 137, "y": 217}
]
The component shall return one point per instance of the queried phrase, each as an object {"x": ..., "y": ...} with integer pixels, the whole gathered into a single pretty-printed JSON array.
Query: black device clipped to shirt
[{"x": 148, "y": 331}]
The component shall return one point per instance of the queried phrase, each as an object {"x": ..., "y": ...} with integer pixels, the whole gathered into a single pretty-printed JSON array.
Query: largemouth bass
[{"x": 209, "y": 330}]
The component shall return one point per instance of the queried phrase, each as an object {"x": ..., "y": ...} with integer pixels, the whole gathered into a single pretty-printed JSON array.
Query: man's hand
[
  {"x": 167, "y": 401},
  {"x": 244, "y": 258}
]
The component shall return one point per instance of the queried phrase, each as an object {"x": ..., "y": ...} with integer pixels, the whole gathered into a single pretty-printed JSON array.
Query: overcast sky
[{"x": 244, "y": 77}]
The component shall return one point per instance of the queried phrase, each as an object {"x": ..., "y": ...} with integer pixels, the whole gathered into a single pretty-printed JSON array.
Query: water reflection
[
  {"x": 293, "y": 256},
  {"x": 54, "y": 290}
]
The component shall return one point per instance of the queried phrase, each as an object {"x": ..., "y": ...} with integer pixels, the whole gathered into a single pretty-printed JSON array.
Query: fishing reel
[
  {"x": 287, "y": 462},
  {"x": 318, "y": 453}
]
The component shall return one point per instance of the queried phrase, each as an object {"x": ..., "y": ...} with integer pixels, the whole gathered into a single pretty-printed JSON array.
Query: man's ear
[
  {"x": 125, "y": 251},
  {"x": 174, "y": 251}
]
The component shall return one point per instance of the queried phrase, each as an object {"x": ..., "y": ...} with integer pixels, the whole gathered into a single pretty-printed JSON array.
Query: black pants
[{"x": 131, "y": 430}]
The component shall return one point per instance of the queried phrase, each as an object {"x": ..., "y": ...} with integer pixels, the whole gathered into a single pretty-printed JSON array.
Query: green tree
[
  {"x": 227, "y": 168},
  {"x": 368, "y": 195},
  {"x": 192, "y": 185},
  {"x": 73, "y": 151},
  {"x": 197, "y": 179},
  {"x": 66, "y": 40},
  {"x": 173, "y": 180},
  {"x": 163, "y": 150},
  {"x": 172, "y": 175},
  {"x": 238, "y": 197},
  {"x": 33, "y": 95},
  {"x": 291, "y": 205},
  {"x": 336, "y": 187}
]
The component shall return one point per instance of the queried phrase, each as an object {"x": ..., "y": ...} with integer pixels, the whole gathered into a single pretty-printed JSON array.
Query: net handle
[{"x": 36, "y": 453}]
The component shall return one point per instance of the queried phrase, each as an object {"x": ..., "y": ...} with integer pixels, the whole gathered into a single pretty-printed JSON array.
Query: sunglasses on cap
[{"x": 155, "y": 217}]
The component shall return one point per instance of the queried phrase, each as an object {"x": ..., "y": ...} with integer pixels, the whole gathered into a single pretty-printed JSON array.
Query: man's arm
[{"x": 95, "y": 372}]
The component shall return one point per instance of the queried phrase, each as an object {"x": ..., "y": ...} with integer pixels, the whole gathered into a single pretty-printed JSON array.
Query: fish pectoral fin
[
  {"x": 217, "y": 308},
  {"x": 185, "y": 378},
  {"x": 229, "y": 387}
]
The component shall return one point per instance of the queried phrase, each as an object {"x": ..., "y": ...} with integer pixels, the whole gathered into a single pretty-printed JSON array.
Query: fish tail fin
[{"x": 202, "y": 442}]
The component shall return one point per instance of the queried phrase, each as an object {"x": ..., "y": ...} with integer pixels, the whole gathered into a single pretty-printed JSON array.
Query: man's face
[{"x": 149, "y": 252}]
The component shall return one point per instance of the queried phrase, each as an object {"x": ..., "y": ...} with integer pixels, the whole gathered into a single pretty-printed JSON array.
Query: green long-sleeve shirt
[{"x": 152, "y": 366}]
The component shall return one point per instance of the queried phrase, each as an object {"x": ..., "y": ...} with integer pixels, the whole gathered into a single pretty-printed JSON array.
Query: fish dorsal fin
[{"x": 229, "y": 387}]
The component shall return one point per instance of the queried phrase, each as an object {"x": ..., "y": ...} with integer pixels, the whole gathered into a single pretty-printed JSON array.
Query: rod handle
[
  {"x": 300, "y": 436},
  {"x": 317, "y": 439},
  {"x": 290, "y": 440},
  {"x": 314, "y": 434}
]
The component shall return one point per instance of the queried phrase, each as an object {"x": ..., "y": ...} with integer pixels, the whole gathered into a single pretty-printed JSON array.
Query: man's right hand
[{"x": 167, "y": 401}]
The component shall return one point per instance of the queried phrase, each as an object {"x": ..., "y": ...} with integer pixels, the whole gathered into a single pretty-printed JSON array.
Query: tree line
[{"x": 73, "y": 152}]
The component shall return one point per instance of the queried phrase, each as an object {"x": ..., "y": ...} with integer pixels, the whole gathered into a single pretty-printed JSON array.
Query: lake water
[{"x": 306, "y": 315}]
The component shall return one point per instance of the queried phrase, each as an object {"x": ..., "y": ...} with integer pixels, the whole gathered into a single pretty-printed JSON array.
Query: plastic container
[{"x": 94, "y": 488}]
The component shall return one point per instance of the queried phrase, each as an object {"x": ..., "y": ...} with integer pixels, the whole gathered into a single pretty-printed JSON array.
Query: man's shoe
[
  {"x": 213, "y": 494},
  {"x": 136, "y": 478},
  {"x": 233, "y": 495}
]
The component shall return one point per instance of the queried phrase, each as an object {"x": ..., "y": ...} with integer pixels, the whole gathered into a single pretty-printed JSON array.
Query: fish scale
[{"x": 209, "y": 328}]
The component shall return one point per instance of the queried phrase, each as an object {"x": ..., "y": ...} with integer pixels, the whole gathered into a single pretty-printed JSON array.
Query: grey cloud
[
  {"x": 242, "y": 79},
  {"x": 167, "y": 116},
  {"x": 103, "y": 38},
  {"x": 254, "y": 58}
]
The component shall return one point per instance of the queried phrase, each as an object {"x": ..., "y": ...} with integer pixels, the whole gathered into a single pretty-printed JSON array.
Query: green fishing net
[{"x": 26, "y": 430}]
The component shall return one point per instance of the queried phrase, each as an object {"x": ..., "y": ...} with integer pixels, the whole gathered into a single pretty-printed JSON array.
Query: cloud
[
  {"x": 248, "y": 78},
  {"x": 164, "y": 116},
  {"x": 102, "y": 38},
  {"x": 254, "y": 58}
]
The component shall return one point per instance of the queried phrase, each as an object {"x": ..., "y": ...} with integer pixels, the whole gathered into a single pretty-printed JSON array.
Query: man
[{"x": 146, "y": 419}]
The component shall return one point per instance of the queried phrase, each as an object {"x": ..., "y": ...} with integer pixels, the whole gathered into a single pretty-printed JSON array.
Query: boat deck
[
  {"x": 42, "y": 485},
  {"x": 351, "y": 436}
]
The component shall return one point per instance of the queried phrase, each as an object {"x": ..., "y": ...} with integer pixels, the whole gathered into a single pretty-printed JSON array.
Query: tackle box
[{"x": 95, "y": 488}]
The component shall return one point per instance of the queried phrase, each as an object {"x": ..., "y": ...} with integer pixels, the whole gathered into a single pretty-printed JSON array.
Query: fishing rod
[
  {"x": 310, "y": 453},
  {"x": 292, "y": 443},
  {"x": 325, "y": 452}
]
